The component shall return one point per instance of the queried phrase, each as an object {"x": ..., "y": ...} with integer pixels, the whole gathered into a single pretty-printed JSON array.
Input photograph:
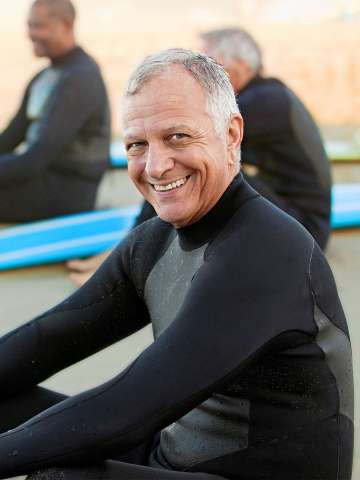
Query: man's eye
[
  {"x": 134, "y": 146},
  {"x": 178, "y": 136}
]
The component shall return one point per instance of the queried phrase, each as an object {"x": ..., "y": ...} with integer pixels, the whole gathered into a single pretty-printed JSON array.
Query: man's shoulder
[
  {"x": 264, "y": 86},
  {"x": 262, "y": 233},
  {"x": 144, "y": 245},
  {"x": 147, "y": 236},
  {"x": 38, "y": 75},
  {"x": 267, "y": 95},
  {"x": 81, "y": 65},
  {"x": 152, "y": 230}
]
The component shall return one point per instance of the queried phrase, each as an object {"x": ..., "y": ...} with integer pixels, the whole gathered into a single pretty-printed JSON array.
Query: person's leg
[
  {"x": 113, "y": 470},
  {"x": 16, "y": 409}
]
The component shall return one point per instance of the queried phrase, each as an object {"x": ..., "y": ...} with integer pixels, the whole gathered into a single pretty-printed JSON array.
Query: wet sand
[{"x": 28, "y": 292}]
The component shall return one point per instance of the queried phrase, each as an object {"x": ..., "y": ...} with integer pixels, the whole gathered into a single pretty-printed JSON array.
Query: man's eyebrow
[
  {"x": 179, "y": 127},
  {"x": 131, "y": 137}
]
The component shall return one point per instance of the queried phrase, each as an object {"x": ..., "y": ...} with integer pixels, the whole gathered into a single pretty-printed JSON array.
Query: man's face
[
  {"x": 46, "y": 32},
  {"x": 176, "y": 159}
]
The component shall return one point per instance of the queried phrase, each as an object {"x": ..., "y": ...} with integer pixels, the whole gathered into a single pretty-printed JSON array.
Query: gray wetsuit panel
[{"x": 219, "y": 425}]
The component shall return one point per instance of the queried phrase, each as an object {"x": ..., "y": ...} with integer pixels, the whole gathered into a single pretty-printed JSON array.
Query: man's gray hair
[
  {"x": 234, "y": 43},
  {"x": 221, "y": 102},
  {"x": 63, "y": 9}
]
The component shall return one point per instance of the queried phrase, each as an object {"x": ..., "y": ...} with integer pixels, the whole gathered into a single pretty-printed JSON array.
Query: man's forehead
[
  {"x": 39, "y": 10},
  {"x": 162, "y": 96}
]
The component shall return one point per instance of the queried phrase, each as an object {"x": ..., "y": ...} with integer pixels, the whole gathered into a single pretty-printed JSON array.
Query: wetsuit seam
[
  {"x": 337, "y": 390},
  {"x": 328, "y": 366}
]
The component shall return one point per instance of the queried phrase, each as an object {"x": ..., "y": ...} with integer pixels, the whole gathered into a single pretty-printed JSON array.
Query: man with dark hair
[
  {"x": 55, "y": 150},
  {"x": 281, "y": 140},
  {"x": 59, "y": 8},
  {"x": 250, "y": 372}
]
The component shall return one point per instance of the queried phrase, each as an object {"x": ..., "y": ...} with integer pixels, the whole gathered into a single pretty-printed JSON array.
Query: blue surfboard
[
  {"x": 118, "y": 157},
  {"x": 63, "y": 238},
  {"x": 345, "y": 209},
  {"x": 90, "y": 233}
]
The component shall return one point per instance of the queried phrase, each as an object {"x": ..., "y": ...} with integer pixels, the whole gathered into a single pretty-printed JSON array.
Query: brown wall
[{"x": 315, "y": 51}]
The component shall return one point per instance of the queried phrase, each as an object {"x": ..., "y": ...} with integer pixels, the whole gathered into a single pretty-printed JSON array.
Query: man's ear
[{"x": 235, "y": 135}]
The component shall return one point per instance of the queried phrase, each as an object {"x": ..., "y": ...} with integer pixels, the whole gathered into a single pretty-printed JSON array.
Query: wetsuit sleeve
[
  {"x": 226, "y": 320},
  {"x": 71, "y": 104},
  {"x": 105, "y": 310},
  {"x": 15, "y": 132}
]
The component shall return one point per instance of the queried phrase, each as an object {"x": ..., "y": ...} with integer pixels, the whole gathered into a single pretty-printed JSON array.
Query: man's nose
[{"x": 159, "y": 160}]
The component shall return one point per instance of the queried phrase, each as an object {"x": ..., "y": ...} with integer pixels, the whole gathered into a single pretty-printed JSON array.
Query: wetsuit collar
[
  {"x": 201, "y": 232},
  {"x": 57, "y": 62}
]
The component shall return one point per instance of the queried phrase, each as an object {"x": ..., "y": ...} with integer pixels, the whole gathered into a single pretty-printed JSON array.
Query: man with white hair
[
  {"x": 281, "y": 140},
  {"x": 55, "y": 150},
  {"x": 250, "y": 372}
]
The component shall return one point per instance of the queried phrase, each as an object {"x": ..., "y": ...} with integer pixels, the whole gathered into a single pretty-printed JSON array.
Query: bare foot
[{"x": 82, "y": 270}]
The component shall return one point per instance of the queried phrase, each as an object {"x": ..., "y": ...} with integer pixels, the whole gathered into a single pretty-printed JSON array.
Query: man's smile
[{"x": 170, "y": 186}]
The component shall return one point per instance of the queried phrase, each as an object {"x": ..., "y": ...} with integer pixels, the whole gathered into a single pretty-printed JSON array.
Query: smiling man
[
  {"x": 55, "y": 150},
  {"x": 177, "y": 159},
  {"x": 250, "y": 372}
]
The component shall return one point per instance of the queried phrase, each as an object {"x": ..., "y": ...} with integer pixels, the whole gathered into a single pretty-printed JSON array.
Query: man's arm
[
  {"x": 71, "y": 104},
  {"x": 226, "y": 321},
  {"x": 15, "y": 132},
  {"x": 105, "y": 310}
]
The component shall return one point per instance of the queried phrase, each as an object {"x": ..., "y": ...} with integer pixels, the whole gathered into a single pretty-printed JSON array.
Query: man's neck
[{"x": 63, "y": 52}]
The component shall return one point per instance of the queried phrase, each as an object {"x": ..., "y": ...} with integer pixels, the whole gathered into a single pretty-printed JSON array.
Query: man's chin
[{"x": 40, "y": 51}]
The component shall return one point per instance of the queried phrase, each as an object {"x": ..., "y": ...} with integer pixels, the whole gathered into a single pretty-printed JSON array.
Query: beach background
[{"x": 312, "y": 46}]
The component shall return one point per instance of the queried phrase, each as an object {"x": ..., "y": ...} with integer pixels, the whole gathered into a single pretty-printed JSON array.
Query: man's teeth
[{"x": 170, "y": 186}]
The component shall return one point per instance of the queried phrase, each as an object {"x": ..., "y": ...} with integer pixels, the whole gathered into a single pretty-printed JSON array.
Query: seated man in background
[
  {"x": 280, "y": 139},
  {"x": 250, "y": 372},
  {"x": 56, "y": 149}
]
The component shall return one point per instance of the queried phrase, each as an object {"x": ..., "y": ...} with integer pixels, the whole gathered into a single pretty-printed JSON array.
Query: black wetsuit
[
  {"x": 249, "y": 376},
  {"x": 62, "y": 131},
  {"x": 283, "y": 142}
]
